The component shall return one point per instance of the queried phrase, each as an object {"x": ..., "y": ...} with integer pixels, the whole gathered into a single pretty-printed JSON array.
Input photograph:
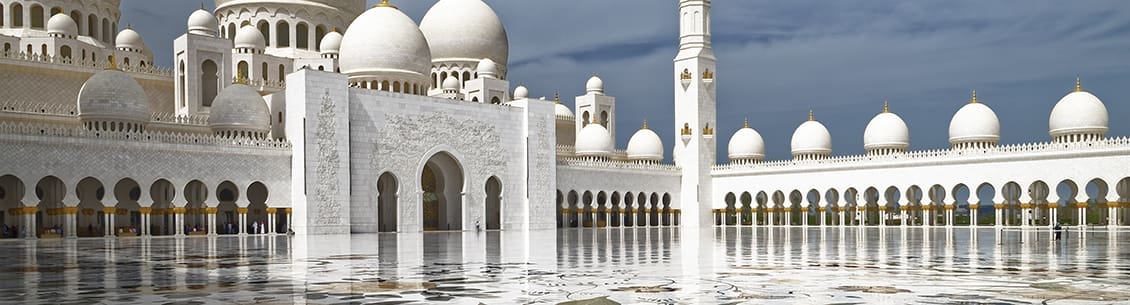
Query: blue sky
[{"x": 778, "y": 59}]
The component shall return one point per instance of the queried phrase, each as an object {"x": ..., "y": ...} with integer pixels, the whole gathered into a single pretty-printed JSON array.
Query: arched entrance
[
  {"x": 494, "y": 204},
  {"x": 386, "y": 203},
  {"x": 441, "y": 181}
]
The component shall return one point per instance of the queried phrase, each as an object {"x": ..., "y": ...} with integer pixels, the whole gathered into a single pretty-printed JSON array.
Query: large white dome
[
  {"x": 594, "y": 141},
  {"x": 812, "y": 138},
  {"x": 202, "y": 22},
  {"x": 240, "y": 108},
  {"x": 112, "y": 95},
  {"x": 746, "y": 144},
  {"x": 886, "y": 131},
  {"x": 975, "y": 123},
  {"x": 465, "y": 30},
  {"x": 645, "y": 145},
  {"x": 384, "y": 44},
  {"x": 248, "y": 37},
  {"x": 130, "y": 39},
  {"x": 63, "y": 25},
  {"x": 1078, "y": 113}
]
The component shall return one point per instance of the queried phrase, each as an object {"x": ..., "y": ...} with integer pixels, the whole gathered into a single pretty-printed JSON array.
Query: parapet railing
[
  {"x": 616, "y": 164},
  {"x": 90, "y": 63},
  {"x": 40, "y": 129},
  {"x": 1002, "y": 150},
  {"x": 175, "y": 119}
]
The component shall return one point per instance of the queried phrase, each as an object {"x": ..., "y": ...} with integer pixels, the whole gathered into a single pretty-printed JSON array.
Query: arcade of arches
[
  {"x": 1037, "y": 203},
  {"x": 442, "y": 198},
  {"x": 615, "y": 209},
  {"x": 91, "y": 207}
]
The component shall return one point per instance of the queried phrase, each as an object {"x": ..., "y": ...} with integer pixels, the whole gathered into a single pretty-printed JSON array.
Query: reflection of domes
[
  {"x": 239, "y": 108},
  {"x": 747, "y": 144},
  {"x": 384, "y": 44},
  {"x": 595, "y": 85},
  {"x": 1079, "y": 113},
  {"x": 887, "y": 131},
  {"x": 975, "y": 123},
  {"x": 465, "y": 30},
  {"x": 521, "y": 93},
  {"x": 331, "y": 43},
  {"x": 812, "y": 139},
  {"x": 131, "y": 40},
  {"x": 248, "y": 37},
  {"x": 645, "y": 145},
  {"x": 594, "y": 141},
  {"x": 113, "y": 95},
  {"x": 202, "y": 22},
  {"x": 62, "y": 25}
]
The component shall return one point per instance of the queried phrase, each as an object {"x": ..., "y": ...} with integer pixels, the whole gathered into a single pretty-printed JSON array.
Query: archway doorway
[
  {"x": 494, "y": 204},
  {"x": 442, "y": 183},
  {"x": 386, "y": 203}
]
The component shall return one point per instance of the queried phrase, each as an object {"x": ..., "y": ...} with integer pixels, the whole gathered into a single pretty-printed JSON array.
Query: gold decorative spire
[
  {"x": 202, "y": 6},
  {"x": 811, "y": 117},
  {"x": 974, "y": 100},
  {"x": 334, "y": 30},
  {"x": 1078, "y": 84},
  {"x": 746, "y": 123},
  {"x": 556, "y": 97},
  {"x": 644, "y": 124},
  {"x": 384, "y": 3},
  {"x": 886, "y": 106}
]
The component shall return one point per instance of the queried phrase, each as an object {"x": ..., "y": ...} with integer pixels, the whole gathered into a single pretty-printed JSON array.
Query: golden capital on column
[
  {"x": 804, "y": 210},
  {"x": 1025, "y": 205},
  {"x": 822, "y": 210},
  {"x": 950, "y": 208},
  {"x": 1080, "y": 204},
  {"x": 211, "y": 211},
  {"x": 241, "y": 210},
  {"x": 841, "y": 209},
  {"x": 272, "y": 210},
  {"x": 1053, "y": 205},
  {"x": 110, "y": 210},
  {"x": 287, "y": 210},
  {"x": 70, "y": 210},
  {"x": 145, "y": 210},
  {"x": 179, "y": 210},
  {"x": 883, "y": 208},
  {"x": 1113, "y": 204}
]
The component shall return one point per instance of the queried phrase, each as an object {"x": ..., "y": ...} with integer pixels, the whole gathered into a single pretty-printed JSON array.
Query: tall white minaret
[{"x": 695, "y": 114}]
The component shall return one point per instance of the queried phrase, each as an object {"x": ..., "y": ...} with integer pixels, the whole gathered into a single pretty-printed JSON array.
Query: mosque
[{"x": 328, "y": 117}]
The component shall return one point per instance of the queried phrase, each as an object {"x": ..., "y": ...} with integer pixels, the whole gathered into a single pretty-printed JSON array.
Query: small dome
[
  {"x": 62, "y": 24},
  {"x": 747, "y": 144},
  {"x": 112, "y": 95},
  {"x": 561, "y": 110},
  {"x": 240, "y": 108},
  {"x": 645, "y": 145},
  {"x": 1079, "y": 113},
  {"x": 383, "y": 43},
  {"x": 451, "y": 83},
  {"x": 465, "y": 30},
  {"x": 595, "y": 85},
  {"x": 202, "y": 22},
  {"x": 487, "y": 68},
  {"x": 812, "y": 138},
  {"x": 886, "y": 131},
  {"x": 975, "y": 123},
  {"x": 331, "y": 43},
  {"x": 521, "y": 93},
  {"x": 594, "y": 141},
  {"x": 248, "y": 37},
  {"x": 130, "y": 39}
]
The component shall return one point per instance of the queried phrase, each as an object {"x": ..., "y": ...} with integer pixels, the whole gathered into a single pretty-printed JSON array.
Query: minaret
[{"x": 695, "y": 113}]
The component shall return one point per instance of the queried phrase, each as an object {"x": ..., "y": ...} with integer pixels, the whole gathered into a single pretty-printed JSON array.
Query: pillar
[
  {"x": 110, "y": 213},
  {"x": 242, "y": 220},
  {"x": 843, "y": 216},
  {"x": 804, "y": 216},
  {"x": 272, "y": 214},
  {"x": 145, "y": 212},
  {"x": 949, "y": 208},
  {"x": 288, "y": 219},
  {"x": 1081, "y": 211},
  {"x": 821, "y": 215},
  {"x": 178, "y": 219},
  {"x": 210, "y": 213},
  {"x": 1112, "y": 212}
]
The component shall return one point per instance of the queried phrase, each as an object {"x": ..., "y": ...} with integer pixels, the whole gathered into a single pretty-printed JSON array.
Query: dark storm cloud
[{"x": 778, "y": 59}]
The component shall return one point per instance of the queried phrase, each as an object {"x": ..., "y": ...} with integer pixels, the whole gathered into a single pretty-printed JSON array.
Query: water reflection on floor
[{"x": 657, "y": 265}]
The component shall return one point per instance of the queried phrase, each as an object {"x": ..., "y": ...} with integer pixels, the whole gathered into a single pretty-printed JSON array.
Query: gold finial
[
  {"x": 334, "y": 30},
  {"x": 886, "y": 106},
  {"x": 811, "y": 117},
  {"x": 201, "y": 6},
  {"x": 644, "y": 124},
  {"x": 746, "y": 123},
  {"x": 974, "y": 100},
  {"x": 113, "y": 63},
  {"x": 129, "y": 26},
  {"x": 384, "y": 3},
  {"x": 1078, "y": 84},
  {"x": 594, "y": 121},
  {"x": 556, "y": 97}
]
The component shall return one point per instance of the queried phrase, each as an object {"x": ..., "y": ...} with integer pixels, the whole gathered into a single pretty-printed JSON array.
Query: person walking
[{"x": 1057, "y": 230}]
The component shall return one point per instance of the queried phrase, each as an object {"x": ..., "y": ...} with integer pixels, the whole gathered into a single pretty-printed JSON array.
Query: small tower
[
  {"x": 595, "y": 106},
  {"x": 693, "y": 78},
  {"x": 488, "y": 87},
  {"x": 201, "y": 64}
]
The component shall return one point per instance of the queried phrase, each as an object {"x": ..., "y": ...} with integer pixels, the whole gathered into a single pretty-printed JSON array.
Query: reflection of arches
[
  {"x": 441, "y": 180},
  {"x": 257, "y": 217},
  {"x": 90, "y": 192},
  {"x": 387, "y": 188},
  {"x": 162, "y": 192},
  {"x": 126, "y": 220},
  {"x": 494, "y": 204},
  {"x": 227, "y": 211}
]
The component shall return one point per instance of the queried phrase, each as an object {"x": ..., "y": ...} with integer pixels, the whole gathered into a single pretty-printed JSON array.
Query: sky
[{"x": 779, "y": 59}]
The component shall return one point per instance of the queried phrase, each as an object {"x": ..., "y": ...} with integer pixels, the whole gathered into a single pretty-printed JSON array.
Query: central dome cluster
[
  {"x": 465, "y": 30},
  {"x": 385, "y": 45}
]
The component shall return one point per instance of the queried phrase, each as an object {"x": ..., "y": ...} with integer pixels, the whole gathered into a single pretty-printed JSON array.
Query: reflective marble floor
[{"x": 628, "y": 266}]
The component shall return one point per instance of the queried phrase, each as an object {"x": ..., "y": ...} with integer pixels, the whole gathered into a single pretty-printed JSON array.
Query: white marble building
[{"x": 296, "y": 116}]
